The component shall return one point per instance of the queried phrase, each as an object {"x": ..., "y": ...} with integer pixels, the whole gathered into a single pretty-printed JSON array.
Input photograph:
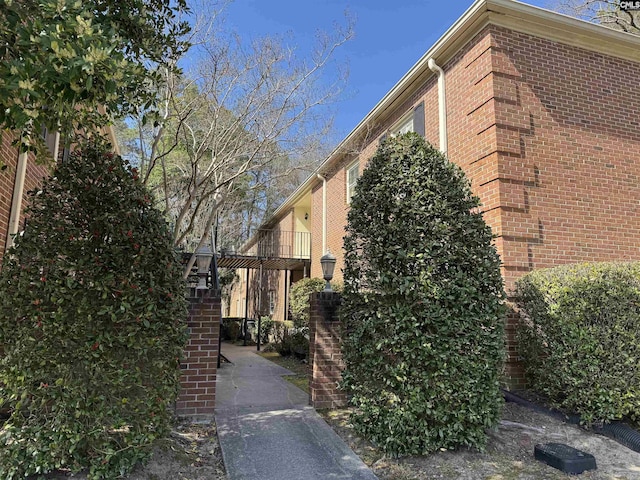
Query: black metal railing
[{"x": 278, "y": 244}]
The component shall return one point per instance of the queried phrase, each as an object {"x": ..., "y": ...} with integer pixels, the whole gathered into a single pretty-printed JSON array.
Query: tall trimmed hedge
[
  {"x": 579, "y": 337},
  {"x": 92, "y": 321},
  {"x": 423, "y": 305}
]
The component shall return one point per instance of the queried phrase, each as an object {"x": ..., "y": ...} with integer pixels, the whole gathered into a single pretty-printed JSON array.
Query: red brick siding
[
  {"x": 199, "y": 367},
  {"x": 578, "y": 154},
  {"x": 336, "y": 220},
  {"x": 325, "y": 355},
  {"x": 548, "y": 136},
  {"x": 548, "y": 142},
  {"x": 8, "y": 157}
]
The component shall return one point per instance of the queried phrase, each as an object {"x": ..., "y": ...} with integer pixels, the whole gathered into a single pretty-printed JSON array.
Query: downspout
[
  {"x": 16, "y": 200},
  {"x": 18, "y": 189},
  {"x": 324, "y": 213},
  {"x": 442, "y": 105}
]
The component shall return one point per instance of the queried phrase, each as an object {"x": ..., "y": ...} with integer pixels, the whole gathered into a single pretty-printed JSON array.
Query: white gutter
[
  {"x": 324, "y": 213},
  {"x": 508, "y": 13},
  {"x": 442, "y": 105}
]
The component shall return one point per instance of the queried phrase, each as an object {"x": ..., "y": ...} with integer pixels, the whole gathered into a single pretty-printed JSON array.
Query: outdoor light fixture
[
  {"x": 328, "y": 262},
  {"x": 203, "y": 260}
]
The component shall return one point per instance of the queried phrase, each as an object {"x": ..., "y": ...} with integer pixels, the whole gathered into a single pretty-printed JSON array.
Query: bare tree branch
[
  {"x": 241, "y": 119},
  {"x": 605, "y": 12}
]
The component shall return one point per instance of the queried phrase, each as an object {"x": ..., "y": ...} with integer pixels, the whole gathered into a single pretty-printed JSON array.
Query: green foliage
[
  {"x": 423, "y": 305},
  {"x": 296, "y": 343},
  {"x": 580, "y": 338},
  {"x": 92, "y": 320},
  {"x": 231, "y": 329},
  {"x": 266, "y": 329},
  {"x": 63, "y": 59},
  {"x": 299, "y": 299},
  {"x": 280, "y": 331}
]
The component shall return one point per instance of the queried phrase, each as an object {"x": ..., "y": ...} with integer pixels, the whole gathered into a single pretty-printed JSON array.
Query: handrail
[{"x": 278, "y": 244}]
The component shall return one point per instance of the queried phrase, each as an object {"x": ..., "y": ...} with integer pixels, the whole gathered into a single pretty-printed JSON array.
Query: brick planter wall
[
  {"x": 325, "y": 355},
  {"x": 199, "y": 366}
]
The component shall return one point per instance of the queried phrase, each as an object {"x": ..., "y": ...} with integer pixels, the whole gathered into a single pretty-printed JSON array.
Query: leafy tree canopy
[{"x": 62, "y": 60}]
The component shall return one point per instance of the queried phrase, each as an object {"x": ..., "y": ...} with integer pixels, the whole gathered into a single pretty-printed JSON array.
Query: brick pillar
[
  {"x": 200, "y": 363},
  {"x": 325, "y": 352}
]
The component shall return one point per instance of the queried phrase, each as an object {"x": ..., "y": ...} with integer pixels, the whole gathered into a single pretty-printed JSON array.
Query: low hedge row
[{"x": 579, "y": 337}]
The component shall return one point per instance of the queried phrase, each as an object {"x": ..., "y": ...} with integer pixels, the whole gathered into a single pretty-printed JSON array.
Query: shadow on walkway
[{"x": 268, "y": 431}]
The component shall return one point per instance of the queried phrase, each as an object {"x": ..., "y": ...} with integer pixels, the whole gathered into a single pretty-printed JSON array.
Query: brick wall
[
  {"x": 336, "y": 219},
  {"x": 325, "y": 354},
  {"x": 547, "y": 134},
  {"x": 548, "y": 140},
  {"x": 199, "y": 366},
  {"x": 486, "y": 121},
  {"x": 8, "y": 157},
  {"x": 580, "y": 197}
]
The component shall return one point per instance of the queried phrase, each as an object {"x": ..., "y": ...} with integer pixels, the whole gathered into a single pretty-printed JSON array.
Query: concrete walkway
[{"x": 266, "y": 429}]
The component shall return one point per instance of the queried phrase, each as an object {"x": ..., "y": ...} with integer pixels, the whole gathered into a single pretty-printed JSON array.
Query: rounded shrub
[
  {"x": 92, "y": 321},
  {"x": 296, "y": 344},
  {"x": 579, "y": 336},
  {"x": 299, "y": 299},
  {"x": 423, "y": 305}
]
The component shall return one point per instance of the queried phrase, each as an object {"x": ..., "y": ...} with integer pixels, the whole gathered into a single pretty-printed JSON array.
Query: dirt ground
[
  {"x": 191, "y": 452},
  {"x": 509, "y": 454}
]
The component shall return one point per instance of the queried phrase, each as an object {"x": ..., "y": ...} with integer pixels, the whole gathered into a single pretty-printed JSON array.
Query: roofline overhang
[{"x": 511, "y": 14}]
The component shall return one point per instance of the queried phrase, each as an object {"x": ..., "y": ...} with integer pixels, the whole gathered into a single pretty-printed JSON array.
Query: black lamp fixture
[
  {"x": 204, "y": 255},
  {"x": 328, "y": 262},
  {"x": 306, "y": 216}
]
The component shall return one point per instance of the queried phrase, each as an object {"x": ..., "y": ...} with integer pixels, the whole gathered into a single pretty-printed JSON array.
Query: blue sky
[{"x": 390, "y": 37}]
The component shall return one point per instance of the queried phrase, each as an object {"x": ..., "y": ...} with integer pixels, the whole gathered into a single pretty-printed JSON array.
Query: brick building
[{"x": 542, "y": 113}]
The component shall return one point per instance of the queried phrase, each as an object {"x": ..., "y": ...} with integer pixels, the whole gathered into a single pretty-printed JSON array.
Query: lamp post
[
  {"x": 204, "y": 255},
  {"x": 328, "y": 262}
]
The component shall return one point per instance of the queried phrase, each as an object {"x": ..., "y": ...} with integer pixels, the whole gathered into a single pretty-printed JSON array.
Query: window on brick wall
[
  {"x": 403, "y": 126},
  {"x": 353, "y": 172},
  {"x": 413, "y": 121},
  {"x": 272, "y": 301},
  {"x": 52, "y": 140}
]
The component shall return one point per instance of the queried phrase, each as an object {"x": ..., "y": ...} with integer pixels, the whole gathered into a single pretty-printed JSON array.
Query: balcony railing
[{"x": 280, "y": 244}]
